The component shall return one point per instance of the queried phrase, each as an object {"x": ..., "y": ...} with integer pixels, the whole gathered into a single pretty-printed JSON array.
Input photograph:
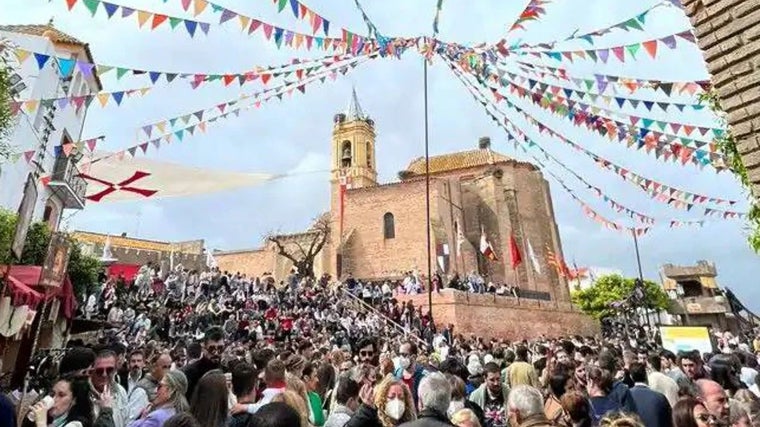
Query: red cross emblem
[{"x": 124, "y": 185}]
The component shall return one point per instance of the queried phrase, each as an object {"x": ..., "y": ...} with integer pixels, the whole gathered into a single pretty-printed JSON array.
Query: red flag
[{"x": 514, "y": 252}]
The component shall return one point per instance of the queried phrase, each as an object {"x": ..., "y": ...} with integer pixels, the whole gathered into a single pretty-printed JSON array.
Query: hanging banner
[{"x": 56, "y": 262}]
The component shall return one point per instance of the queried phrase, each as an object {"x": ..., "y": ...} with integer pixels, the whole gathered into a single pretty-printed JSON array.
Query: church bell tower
[{"x": 353, "y": 147}]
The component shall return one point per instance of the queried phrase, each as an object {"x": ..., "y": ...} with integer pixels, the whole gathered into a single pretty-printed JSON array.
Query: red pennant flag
[
  {"x": 265, "y": 78},
  {"x": 45, "y": 180},
  {"x": 158, "y": 19},
  {"x": 71, "y": 3},
  {"x": 619, "y": 53},
  {"x": 67, "y": 148},
  {"x": 514, "y": 252},
  {"x": 651, "y": 47},
  {"x": 29, "y": 155},
  {"x": 91, "y": 144}
]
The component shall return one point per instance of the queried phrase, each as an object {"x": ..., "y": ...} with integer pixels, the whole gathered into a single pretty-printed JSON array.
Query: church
[{"x": 379, "y": 231}]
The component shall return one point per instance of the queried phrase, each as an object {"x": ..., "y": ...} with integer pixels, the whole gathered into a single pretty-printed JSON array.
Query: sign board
[
  {"x": 25, "y": 213},
  {"x": 56, "y": 261},
  {"x": 686, "y": 338}
]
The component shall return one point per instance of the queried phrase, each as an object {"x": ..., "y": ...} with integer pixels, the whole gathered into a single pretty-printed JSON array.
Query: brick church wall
[
  {"x": 728, "y": 32},
  {"x": 253, "y": 263},
  {"x": 504, "y": 317}
]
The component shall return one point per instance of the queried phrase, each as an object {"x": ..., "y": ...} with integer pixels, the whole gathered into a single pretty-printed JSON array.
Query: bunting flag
[
  {"x": 168, "y": 132},
  {"x": 143, "y": 18},
  {"x": 558, "y": 104},
  {"x": 296, "y": 66},
  {"x": 532, "y": 12},
  {"x": 603, "y": 55},
  {"x": 613, "y": 100},
  {"x": 302, "y": 12},
  {"x": 77, "y": 102},
  {"x": 437, "y": 18},
  {"x": 485, "y": 247},
  {"x": 587, "y": 209},
  {"x": 79, "y": 146},
  {"x": 634, "y": 23},
  {"x": 604, "y": 82},
  {"x": 341, "y": 66}
]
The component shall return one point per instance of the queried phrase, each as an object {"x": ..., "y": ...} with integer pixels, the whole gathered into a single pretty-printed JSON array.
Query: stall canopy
[
  {"x": 129, "y": 271},
  {"x": 23, "y": 285}
]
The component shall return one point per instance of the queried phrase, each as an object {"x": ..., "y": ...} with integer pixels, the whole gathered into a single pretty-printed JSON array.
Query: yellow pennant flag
[
  {"x": 144, "y": 90},
  {"x": 200, "y": 6},
  {"x": 244, "y": 21},
  {"x": 298, "y": 40},
  {"x": 161, "y": 126},
  {"x": 31, "y": 106},
  {"x": 142, "y": 17},
  {"x": 103, "y": 98},
  {"x": 22, "y": 55}
]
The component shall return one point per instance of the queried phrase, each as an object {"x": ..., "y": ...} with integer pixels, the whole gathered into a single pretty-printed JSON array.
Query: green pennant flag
[
  {"x": 589, "y": 84},
  {"x": 632, "y": 23},
  {"x": 662, "y": 125},
  {"x": 102, "y": 69},
  {"x": 633, "y": 49},
  {"x": 120, "y": 72},
  {"x": 592, "y": 54},
  {"x": 281, "y": 5},
  {"x": 91, "y": 5},
  {"x": 173, "y": 22}
]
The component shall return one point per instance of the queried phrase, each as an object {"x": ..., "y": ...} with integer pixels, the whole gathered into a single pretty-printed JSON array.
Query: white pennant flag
[{"x": 533, "y": 258}]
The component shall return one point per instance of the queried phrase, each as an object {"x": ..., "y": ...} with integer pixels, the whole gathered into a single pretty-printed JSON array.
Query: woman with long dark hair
[
  {"x": 690, "y": 412},
  {"x": 72, "y": 406},
  {"x": 210, "y": 400}
]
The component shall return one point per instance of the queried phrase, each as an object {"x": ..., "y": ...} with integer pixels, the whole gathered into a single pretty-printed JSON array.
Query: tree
[
  {"x": 597, "y": 300},
  {"x": 6, "y": 115},
  {"x": 302, "y": 249},
  {"x": 82, "y": 269}
]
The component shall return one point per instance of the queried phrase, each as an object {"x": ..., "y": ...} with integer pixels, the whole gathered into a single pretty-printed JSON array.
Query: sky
[{"x": 293, "y": 136}]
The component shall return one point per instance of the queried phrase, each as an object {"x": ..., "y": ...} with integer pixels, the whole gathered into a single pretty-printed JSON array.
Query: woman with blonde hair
[
  {"x": 296, "y": 401},
  {"x": 388, "y": 405},
  {"x": 465, "y": 418}
]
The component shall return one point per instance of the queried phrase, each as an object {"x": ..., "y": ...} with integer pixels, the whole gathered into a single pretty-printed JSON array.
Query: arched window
[
  {"x": 369, "y": 155},
  {"x": 345, "y": 154},
  {"x": 389, "y": 226}
]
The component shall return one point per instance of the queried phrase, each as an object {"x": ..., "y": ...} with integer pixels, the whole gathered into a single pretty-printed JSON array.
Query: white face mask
[
  {"x": 395, "y": 408},
  {"x": 404, "y": 362}
]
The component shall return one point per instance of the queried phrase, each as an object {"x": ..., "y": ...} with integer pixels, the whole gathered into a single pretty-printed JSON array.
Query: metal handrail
[{"x": 387, "y": 319}]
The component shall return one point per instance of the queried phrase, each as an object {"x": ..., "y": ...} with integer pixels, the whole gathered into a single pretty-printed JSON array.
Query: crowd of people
[{"x": 213, "y": 349}]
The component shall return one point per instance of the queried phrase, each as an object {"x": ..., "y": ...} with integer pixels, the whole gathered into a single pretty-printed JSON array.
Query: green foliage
[
  {"x": 82, "y": 269},
  {"x": 6, "y": 118},
  {"x": 727, "y": 146},
  {"x": 597, "y": 299}
]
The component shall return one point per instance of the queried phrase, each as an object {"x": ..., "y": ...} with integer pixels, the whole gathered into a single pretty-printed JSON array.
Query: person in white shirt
[{"x": 660, "y": 382}]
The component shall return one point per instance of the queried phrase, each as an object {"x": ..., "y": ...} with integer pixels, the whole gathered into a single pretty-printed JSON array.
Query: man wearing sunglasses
[
  {"x": 213, "y": 347},
  {"x": 109, "y": 395}
]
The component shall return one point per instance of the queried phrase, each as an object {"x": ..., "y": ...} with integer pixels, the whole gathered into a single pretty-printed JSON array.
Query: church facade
[{"x": 379, "y": 230}]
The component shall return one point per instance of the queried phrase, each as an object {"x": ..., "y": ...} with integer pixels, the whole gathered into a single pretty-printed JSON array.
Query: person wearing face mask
[
  {"x": 72, "y": 406},
  {"x": 388, "y": 405},
  {"x": 346, "y": 403},
  {"x": 408, "y": 370},
  {"x": 459, "y": 399}
]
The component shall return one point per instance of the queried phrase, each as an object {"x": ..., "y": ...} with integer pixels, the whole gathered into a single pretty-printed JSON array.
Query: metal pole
[
  {"x": 427, "y": 192},
  {"x": 641, "y": 273}
]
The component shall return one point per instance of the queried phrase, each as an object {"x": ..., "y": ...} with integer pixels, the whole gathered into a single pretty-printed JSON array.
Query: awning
[
  {"x": 129, "y": 271},
  {"x": 22, "y": 282}
]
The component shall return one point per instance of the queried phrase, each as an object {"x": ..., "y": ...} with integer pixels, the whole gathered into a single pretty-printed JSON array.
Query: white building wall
[{"x": 28, "y": 134}]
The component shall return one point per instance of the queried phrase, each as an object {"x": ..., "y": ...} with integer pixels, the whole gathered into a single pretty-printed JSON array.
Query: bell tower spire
[
  {"x": 353, "y": 146},
  {"x": 354, "y": 111}
]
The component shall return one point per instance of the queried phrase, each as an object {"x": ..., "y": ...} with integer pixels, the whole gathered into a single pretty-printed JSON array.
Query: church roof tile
[{"x": 456, "y": 161}]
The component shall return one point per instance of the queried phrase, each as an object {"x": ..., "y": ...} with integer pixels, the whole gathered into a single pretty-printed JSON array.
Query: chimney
[{"x": 484, "y": 143}]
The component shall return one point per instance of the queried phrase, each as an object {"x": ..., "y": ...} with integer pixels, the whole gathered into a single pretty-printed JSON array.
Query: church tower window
[
  {"x": 389, "y": 226},
  {"x": 369, "y": 154},
  {"x": 345, "y": 154}
]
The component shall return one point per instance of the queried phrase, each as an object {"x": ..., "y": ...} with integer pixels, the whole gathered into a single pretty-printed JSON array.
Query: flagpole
[
  {"x": 427, "y": 191},
  {"x": 530, "y": 274}
]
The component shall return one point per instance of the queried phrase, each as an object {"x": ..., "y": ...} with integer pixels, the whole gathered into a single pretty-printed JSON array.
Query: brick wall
[
  {"x": 504, "y": 317},
  {"x": 253, "y": 263},
  {"x": 728, "y": 32}
]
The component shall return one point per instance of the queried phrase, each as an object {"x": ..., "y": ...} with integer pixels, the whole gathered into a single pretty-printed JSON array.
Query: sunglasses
[
  {"x": 104, "y": 371},
  {"x": 364, "y": 353},
  {"x": 215, "y": 348}
]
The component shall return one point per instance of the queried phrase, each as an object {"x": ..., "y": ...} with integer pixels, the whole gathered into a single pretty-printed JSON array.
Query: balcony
[
  {"x": 699, "y": 305},
  {"x": 66, "y": 183}
]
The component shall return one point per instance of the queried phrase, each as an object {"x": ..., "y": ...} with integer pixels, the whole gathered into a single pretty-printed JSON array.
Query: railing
[
  {"x": 387, "y": 319},
  {"x": 65, "y": 171}
]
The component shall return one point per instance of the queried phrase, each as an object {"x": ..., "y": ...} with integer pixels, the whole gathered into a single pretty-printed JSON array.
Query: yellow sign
[{"x": 686, "y": 338}]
